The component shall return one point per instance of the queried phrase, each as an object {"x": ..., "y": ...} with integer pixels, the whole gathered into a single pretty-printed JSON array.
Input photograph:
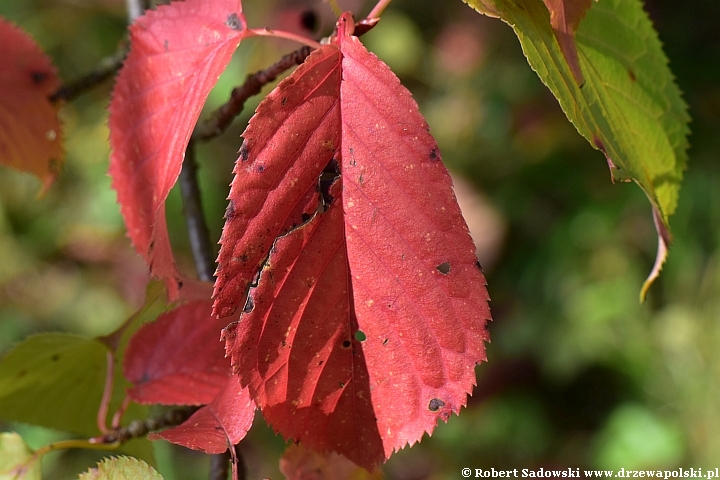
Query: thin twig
[
  {"x": 107, "y": 67},
  {"x": 221, "y": 118},
  {"x": 195, "y": 217},
  {"x": 140, "y": 428},
  {"x": 378, "y": 8},
  {"x": 269, "y": 32}
]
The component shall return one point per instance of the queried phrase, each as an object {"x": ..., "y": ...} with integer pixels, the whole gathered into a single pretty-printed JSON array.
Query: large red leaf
[
  {"x": 30, "y": 134},
  {"x": 178, "y": 359},
  {"x": 218, "y": 425},
  {"x": 177, "y": 54},
  {"x": 368, "y": 318}
]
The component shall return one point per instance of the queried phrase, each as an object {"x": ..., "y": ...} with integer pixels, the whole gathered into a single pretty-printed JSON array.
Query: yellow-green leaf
[
  {"x": 16, "y": 460},
  {"x": 629, "y": 106},
  {"x": 121, "y": 468}
]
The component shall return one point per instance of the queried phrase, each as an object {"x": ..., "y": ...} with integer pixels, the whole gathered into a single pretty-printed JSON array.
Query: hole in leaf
[
  {"x": 436, "y": 404},
  {"x": 434, "y": 154},
  {"x": 360, "y": 336},
  {"x": 477, "y": 264},
  {"x": 249, "y": 305},
  {"x": 386, "y": 341},
  {"x": 329, "y": 175},
  {"x": 444, "y": 268},
  {"x": 346, "y": 344}
]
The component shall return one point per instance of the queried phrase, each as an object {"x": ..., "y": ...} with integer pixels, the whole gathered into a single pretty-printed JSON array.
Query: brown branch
[
  {"x": 198, "y": 232},
  {"x": 107, "y": 67},
  {"x": 221, "y": 118},
  {"x": 140, "y": 428}
]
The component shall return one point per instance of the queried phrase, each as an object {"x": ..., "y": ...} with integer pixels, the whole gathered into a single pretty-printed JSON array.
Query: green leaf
[
  {"x": 121, "y": 468},
  {"x": 629, "y": 106},
  {"x": 16, "y": 460},
  {"x": 54, "y": 380}
]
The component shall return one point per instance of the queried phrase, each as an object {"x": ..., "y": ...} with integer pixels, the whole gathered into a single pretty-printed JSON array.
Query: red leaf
[
  {"x": 178, "y": 360},
  {"x": 218, "y": 425},
  {"x": 299, "y": 463},
  {"x": 289, "y": 141},
  {"x": 177, "y": 55},
  {"x": 565, "y": 16},
  {"x": 30, "y": 132},
  {"x": 368, "y": 320}
]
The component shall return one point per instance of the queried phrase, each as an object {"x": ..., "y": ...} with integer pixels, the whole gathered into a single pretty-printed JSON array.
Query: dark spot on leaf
[
  {"x": 477, "y": 264},
  {"x": 244, "y": 151},
  {"x": 360, "y": 336},
  {"x": 249, "y": 305},
  {"x": 179, "y": 283},
  {"x": 230, "y": 211},
  {"x": 346, "y": 344},
  {"x": 321, "y": 362},
  {"x": 385, "y": 341},
  {"x": 260, "y": 168},
  {"x": 444, "y": 268},
  {"x": 38, "y": 77},
  {"x": 487, "y": 326},
  {"x": 283, "y": 101},
  {"x": 305, "y": 217},
  {"x": 166, "y": 45},
  {"x": 631, "y": 74},
  {"x": 308, "y": 19},
  {"x": 436, "y": 404},
  {"x": 342, "y": 384},
  {"x": 55, "y": 357},
  {"x": 233, "y": 21},
  {"x": 434, "y": 154},
  {"x": 22, "y": 373},
  {"x": 283, "y": 343}
]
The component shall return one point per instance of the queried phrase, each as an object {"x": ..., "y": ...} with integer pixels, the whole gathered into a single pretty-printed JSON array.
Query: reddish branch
[{"x": 221, "y": 118}]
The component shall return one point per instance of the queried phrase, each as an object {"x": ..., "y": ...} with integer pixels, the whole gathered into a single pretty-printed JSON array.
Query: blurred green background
[{"x": 579, "y": 373}]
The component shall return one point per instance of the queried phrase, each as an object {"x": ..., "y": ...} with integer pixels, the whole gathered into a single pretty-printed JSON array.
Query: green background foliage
[{"x": 579, "y": 373}]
